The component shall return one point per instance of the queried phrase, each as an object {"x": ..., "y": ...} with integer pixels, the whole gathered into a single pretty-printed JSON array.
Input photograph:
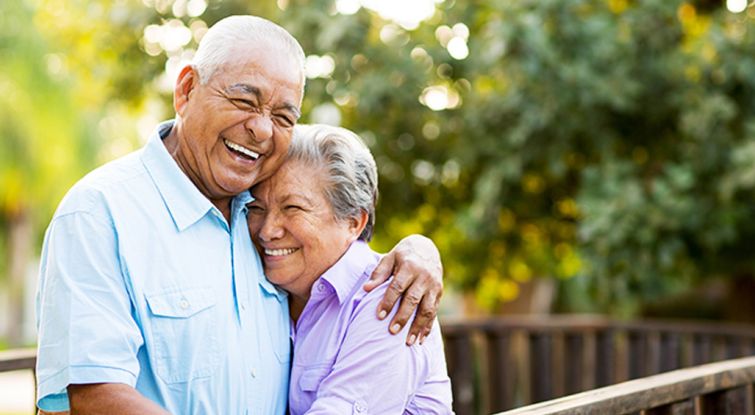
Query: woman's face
[{"x": 294, "y": 228}]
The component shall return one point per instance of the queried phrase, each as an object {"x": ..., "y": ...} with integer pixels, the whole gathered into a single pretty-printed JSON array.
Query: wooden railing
[
  {"x": 502, "y": 363},
  {"x": 18, "y": 359},
  {"x": 722, "y": 388},
  {"x": 507, "y": 362}
]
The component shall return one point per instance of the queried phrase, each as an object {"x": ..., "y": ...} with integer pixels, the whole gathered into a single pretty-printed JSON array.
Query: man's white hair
[{"x": 222, "y": 40}]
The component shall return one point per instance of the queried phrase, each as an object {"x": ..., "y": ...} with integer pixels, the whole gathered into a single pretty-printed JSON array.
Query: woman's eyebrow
[{"x": 296, "y": 197}]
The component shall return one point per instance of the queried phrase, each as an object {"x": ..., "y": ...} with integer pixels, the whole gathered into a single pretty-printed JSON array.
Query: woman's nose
[{"x": 271, "y": 228}]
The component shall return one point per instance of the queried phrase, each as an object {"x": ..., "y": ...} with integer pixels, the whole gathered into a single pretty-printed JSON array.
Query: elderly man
[{"x": 151, "y": 296}]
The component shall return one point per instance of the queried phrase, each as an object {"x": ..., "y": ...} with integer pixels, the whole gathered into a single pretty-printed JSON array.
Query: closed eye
[
  {"x": 243, "y": 104},
  {"x": 285, "y": 120},
  {"x": 256, "y": 209}
]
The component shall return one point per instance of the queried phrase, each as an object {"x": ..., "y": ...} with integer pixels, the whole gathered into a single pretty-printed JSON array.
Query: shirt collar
[
  {"x": 269, "y": 288},
  {"x": 347, "y": 272},
  {"x": 184, "y": 201}
]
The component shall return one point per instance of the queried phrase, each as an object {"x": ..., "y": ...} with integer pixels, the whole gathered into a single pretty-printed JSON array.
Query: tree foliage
[
  {"x": 612, "y": 143},
  {"x": 609, "y": 141}
]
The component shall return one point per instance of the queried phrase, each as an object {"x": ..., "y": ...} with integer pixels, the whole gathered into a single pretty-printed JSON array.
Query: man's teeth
[
  {"x": 279, "y": 252},
  {"x": 242, "y": 150}
]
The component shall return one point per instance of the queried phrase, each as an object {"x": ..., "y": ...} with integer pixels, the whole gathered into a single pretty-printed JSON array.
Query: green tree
[
  {"x": 44, "y": 148},
  {"x": 609, "y": 143}
]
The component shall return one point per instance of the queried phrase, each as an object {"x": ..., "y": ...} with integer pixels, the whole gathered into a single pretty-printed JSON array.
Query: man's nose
[{"x": 261, "y": 127}]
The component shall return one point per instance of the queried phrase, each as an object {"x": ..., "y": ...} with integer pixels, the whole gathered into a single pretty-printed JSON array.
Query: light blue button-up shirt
[{"x": 143, "y": 282}]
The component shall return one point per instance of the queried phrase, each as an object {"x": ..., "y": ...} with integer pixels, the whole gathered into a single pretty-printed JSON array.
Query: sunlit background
[{"x": 565, "y": 156}]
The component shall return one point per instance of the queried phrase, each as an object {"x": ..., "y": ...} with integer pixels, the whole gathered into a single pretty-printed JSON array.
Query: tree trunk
[{"x": 20, "y": 236}]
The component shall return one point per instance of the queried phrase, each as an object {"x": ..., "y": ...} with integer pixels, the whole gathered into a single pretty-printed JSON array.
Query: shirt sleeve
[
  {"x": 87, "y": 333},
  {"x": 434, "y": 395},
  {"x": 374, "y": 372}
]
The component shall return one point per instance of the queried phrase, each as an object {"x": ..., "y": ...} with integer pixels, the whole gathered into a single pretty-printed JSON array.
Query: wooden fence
[
  {"x": 18, "y": 359},
  {"x": 507, "y": 362},
  {"x": 722, "y": 388}
]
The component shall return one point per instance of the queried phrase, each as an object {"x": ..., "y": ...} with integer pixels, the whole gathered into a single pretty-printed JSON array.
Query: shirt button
[
  {"x": 184, "y": 304},
  {"x": 320, "y": 287},
  {"x": 243, "y": 306},
  {"x": 360, "y": 407},
  {"x": 253, "y": 373}
]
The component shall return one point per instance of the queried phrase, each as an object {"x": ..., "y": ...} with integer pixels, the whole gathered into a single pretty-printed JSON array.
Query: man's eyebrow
[
  {"x": 244, "y": 89},
  {"x": 293, "y": 108},
  {"x": 251, "y": 89}
]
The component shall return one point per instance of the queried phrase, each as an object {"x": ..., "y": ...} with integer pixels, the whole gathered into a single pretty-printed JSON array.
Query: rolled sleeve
[
  {"x": 87, "y": 332},
  {"x": 339, "y": 405}
]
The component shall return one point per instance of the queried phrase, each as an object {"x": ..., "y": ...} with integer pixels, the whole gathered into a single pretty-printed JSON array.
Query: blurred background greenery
[{"x": 565, "y": 156}]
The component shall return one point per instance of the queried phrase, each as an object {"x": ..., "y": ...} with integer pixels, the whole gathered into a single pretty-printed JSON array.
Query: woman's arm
[{"x": 374, "y": 371}]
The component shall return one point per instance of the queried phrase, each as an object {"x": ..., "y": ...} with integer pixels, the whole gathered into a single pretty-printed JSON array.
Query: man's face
[{"x": 236, "y": 128}]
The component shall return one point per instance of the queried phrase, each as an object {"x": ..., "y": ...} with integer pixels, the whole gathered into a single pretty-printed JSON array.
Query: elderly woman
[{"x": 311, "y": 222}]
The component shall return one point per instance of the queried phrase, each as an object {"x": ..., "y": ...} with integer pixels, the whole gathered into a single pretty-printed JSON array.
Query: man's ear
[
  {"x": 188, "y": 79},
  {"x": 357, "y": 224}
]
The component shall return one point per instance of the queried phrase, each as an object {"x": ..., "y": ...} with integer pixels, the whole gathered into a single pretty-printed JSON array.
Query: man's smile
[{"x": 241, "y": 150}]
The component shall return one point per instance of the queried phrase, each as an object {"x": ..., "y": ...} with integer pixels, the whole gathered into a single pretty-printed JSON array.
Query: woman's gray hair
[
  {"x": 222, "y": 40},
  {"x": 351, "y": 175}
]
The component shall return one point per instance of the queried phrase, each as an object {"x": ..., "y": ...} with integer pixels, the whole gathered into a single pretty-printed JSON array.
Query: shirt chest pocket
[
  {"x": 312, "y": 376},
  {"x": 183, "y": 335}
]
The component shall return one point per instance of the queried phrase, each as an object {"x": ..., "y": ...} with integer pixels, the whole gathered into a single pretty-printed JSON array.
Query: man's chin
[{"x": 233, "y": 186}]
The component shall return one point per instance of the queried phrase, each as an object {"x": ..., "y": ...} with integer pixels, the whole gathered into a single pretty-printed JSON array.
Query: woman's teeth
[
  {"x": 243, "y": 150},
  {"x": 280, "y": 252}
]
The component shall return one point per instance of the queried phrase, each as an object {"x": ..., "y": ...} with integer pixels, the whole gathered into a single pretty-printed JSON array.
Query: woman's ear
[
  {"x": 187, "y": 80},
  {"x": 357, "y": 224}
]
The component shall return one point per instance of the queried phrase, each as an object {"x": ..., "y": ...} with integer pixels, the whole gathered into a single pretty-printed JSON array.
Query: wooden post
[
  {"x": 460, "y": 369},
  {"x": 637, "y": 354},
  {"x": 669, "y": 351},
  {"x": 499, "y": 385},
  {"x": 542, "y": 365},
  {"x": 732, "y": 347},
  {"x": 686, "y": 407},
  {"x": 574, "y": 364},
  {"x": 605, "y": 356},
  {"x": 701, "y": 349}
]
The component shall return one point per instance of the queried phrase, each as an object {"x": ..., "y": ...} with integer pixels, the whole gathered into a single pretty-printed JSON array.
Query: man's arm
[
  {"x": 417, "y": 280},
  {"x": 86, "y": 331},
  {"x": 110, "y": 399}
]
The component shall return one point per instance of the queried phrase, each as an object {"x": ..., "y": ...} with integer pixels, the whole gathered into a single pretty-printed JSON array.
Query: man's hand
[{"x": 417, "y": 279}]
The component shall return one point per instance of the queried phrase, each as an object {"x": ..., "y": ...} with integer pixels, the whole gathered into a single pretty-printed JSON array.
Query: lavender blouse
[{"x": 345, "y": 360}]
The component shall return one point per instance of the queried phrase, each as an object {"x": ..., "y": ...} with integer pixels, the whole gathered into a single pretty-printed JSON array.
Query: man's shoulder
[
  {"x": 115, "y": 172},
  {"x": 104, "y": 182}
]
